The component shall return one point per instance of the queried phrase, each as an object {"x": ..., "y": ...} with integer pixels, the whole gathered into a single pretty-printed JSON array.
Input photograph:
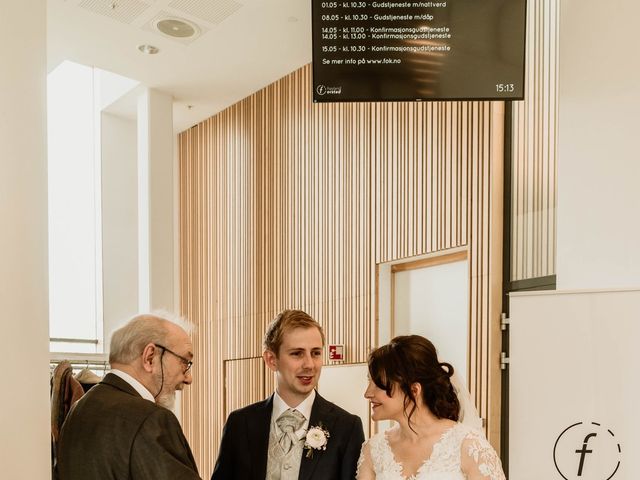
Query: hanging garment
[{"x": 65, "y": 391}]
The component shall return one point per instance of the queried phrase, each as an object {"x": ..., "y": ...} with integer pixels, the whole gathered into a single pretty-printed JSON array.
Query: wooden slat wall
[
  {"x": 287, "y": 204},
  {"x": 243, "y": 382},
  {"x": 422, "y": 158},
  {"x": 535, "y": 149},
  {"x": 438, "y": 184}
]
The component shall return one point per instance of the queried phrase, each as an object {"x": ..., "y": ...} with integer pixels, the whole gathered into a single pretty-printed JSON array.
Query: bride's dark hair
[{"x": 413, "y": 359}]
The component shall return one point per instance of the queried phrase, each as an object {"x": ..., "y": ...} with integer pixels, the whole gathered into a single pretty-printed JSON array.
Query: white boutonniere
[{"x": 315, "y": 439}]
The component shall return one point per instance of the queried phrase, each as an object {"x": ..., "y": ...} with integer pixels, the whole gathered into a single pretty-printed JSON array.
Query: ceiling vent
[
  {"x": 176, "y": 28},
  {"x": 125, "y": 11}
]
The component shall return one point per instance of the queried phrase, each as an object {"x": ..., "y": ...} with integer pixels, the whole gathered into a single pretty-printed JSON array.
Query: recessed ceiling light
[
  {"x": 175, "y": 27},
  {"x": 148, "y": 49}
]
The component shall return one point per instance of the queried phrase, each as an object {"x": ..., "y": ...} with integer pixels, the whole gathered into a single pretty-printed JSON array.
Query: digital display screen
[{"x": 367, "y": 50}]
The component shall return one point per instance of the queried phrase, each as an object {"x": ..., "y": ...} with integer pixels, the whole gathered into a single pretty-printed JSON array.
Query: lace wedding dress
[{"x": 444, "y": 462}]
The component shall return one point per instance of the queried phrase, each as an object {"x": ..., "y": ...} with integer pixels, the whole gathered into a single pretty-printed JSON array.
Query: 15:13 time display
[{"x": 505, "y": 87}]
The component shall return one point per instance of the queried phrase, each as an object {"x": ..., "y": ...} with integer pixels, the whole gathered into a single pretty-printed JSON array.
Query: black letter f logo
[{"x": 584, "y": 451}]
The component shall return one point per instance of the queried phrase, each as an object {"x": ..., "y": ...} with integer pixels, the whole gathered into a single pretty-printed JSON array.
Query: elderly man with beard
[{"x": 123, "y": 428}]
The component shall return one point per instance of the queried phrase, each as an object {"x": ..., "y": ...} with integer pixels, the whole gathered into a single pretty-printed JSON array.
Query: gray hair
[{"x": 128, "y": 342}]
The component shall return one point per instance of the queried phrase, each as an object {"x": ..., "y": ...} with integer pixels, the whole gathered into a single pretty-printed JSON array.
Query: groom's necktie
[{"x": 289, "y": 422}]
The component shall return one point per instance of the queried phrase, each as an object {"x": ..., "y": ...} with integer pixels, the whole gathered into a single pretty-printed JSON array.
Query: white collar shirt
[
  {"x": 138, "y": 387},
  {"x": 279, "y": 406}
]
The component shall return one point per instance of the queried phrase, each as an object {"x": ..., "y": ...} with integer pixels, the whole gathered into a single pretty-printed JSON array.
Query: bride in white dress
[{"x": 408, "y": 384}]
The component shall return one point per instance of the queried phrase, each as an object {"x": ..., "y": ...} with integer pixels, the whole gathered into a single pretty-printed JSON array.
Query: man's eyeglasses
[{"x": 187, "y": 363}]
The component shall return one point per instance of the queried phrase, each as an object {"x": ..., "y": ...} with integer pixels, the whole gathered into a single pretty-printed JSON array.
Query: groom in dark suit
[{"x": 295, "y": 434}]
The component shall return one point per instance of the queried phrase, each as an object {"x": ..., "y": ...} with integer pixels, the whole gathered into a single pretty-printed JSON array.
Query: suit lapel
[
  {"x": 258, "y": 428},
  {"x": 321, "y": 413}
]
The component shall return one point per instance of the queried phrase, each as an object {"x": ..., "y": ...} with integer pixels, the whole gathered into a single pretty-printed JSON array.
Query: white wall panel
[
  {"x": 344, "y": 385},
  {"x": 599, "y": 159},
  {"x": 119, "y": 222},
  {"x": 434, "y": 302},
  {"x": 25, "y": 418},
  {"x": 574, "y": 358}
]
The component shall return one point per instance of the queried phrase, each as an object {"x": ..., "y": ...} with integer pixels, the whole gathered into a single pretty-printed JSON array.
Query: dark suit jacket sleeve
[
  {"x": 352, "y": 451},
  {"x": 224, "y": 469},
  {"x": 160, "y": 451}
]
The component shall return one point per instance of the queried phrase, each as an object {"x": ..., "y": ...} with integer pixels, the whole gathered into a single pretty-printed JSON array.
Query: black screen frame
[{"x": 375, "y": 84}]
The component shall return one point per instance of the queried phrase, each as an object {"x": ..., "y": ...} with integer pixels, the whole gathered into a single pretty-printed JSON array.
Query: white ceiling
[{"x": 244, "y": 46}]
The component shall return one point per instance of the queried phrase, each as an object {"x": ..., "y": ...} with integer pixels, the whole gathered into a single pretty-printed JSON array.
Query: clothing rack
[{"x": 97, "y": 362}]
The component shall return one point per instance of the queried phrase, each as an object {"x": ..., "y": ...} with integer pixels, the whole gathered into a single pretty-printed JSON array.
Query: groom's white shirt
[{"x": 279, "y": 406}]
